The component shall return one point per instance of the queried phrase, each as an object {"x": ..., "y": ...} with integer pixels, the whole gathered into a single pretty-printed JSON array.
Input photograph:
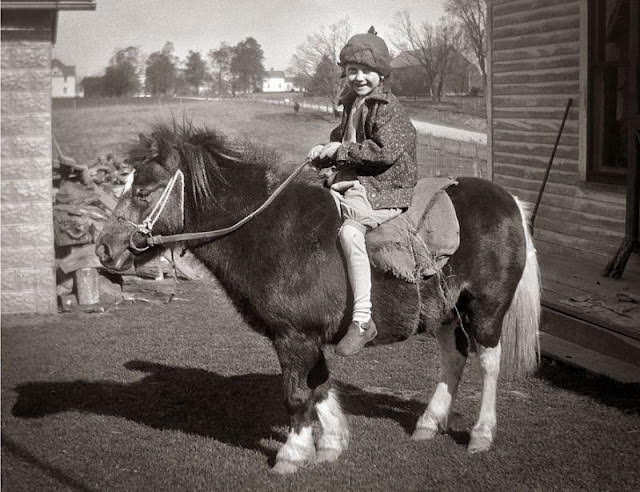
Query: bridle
[{"x": 145, "y": 228}]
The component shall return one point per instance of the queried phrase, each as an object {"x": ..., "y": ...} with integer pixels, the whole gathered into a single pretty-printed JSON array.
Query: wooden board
[{"x": 590, "y": 360}]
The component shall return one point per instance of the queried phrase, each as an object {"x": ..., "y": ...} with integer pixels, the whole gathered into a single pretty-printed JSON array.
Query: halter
[{"x": 146, "y": 227}]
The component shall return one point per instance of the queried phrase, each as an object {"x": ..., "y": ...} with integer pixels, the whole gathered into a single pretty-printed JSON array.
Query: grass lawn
[
  {"x": 87, "y": 133},
  {"x": 184, "y": 396}
]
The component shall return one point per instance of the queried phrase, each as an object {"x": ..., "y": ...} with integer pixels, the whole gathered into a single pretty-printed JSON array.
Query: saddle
[{"x": 418, "y": 243}]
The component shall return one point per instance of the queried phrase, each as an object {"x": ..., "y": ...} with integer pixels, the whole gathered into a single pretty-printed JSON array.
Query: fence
[{"x": 95, "y": 102}]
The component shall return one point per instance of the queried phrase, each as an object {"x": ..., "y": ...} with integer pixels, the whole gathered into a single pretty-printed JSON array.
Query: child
[{"x": 374, "y": 153}]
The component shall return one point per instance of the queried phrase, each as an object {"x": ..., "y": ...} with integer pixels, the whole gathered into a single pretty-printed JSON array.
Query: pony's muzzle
[{"x": 112, "y": 261}]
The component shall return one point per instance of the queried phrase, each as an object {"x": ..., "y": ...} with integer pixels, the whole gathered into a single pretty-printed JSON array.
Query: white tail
[{"x": 520, "y": 342}]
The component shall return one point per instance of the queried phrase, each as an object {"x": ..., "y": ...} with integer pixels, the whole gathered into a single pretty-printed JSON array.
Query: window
[{"x": 608, "y": 77}]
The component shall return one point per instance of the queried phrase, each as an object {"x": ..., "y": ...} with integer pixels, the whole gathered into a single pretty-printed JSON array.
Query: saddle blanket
[{"x": 419, "y": 242}]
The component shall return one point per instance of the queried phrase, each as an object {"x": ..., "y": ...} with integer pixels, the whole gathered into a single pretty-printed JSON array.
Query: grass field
[
  {"x": 87, "y": 133},
  {"x": 184, "y": 396}
]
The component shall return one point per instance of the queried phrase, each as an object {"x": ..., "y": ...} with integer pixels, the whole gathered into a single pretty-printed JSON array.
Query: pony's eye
[{"x": 142, "y": 194}]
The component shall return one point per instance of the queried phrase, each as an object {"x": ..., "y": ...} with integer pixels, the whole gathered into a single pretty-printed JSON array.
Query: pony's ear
[
  {"x": 144, "y": 140},
  {"x": 173, "y": 159}
]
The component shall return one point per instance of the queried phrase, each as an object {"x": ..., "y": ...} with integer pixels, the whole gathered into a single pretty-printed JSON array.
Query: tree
[
  {"x": 195, "y": 71},
  {"x": 121, "y": 76},
  {"x": 221, "y": 67},
  {"x": 472, "y": 14},
  {"x": 433, "y": 46},
  {"x": 326, "y": 79},
  {"x": 246, "y": 65},
  {"x": 93, "y": 86},
  {"x": 160, "y": 74},
  {"x": 315, "y": 63}
]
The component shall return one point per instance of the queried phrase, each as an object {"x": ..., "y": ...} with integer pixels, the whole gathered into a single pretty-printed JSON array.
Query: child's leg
[
  {"x": 358, "y": 216},
  {"x": 353, "y": 244}
]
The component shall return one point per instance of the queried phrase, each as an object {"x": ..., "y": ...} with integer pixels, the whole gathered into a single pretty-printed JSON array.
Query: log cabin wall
[{"x": 537, "y": 53}]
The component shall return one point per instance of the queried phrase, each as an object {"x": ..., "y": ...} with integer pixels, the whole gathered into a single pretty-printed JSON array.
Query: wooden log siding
[{"x": 535, "y": 68}]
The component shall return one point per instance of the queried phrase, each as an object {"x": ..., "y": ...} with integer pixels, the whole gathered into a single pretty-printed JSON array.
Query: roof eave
[{"x": 50, "y": 5}]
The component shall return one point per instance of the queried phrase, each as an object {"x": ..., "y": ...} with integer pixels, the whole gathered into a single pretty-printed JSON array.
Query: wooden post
[
  {"x": 631, "y": 242},
  {"x": 87, "y": 286}
]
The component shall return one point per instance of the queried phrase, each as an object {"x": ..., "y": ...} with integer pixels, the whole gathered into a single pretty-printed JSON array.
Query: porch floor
[{"x": 584, "y": 308}]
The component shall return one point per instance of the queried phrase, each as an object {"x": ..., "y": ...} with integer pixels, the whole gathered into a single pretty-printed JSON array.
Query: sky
[{"x": 88, "y": 39}]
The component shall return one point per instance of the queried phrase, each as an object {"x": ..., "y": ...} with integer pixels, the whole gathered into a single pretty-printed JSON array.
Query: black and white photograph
[{"x": 304, "y": 245}]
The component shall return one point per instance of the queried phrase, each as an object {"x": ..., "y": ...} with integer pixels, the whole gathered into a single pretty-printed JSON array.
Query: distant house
[
  {"x": 408, "y": 77},
  {"x": 63, "y": 80},
  {"x": 278, "y": 81}
]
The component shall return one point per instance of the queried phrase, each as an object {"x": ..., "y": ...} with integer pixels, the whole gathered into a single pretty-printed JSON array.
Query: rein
[{"x": 147, "y": 225}]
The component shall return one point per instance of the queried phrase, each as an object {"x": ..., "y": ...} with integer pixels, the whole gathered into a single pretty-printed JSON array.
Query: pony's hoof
[
  {"x": 285, "y": 467},
  {"x": 423, "y": 434},
  {"x": 328, "y": 455},
  {"x": 479, "y": 443}
]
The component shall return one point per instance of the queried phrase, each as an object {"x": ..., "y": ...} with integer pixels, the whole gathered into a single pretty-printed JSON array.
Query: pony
[{"x": 285, "y": 272}]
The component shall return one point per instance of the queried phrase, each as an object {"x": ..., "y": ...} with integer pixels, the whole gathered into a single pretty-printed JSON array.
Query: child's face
[{"x": 362, "y": 79}]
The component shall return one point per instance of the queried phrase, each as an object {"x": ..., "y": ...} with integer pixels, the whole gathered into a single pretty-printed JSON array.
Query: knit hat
[{"x": 369, "y": 50}]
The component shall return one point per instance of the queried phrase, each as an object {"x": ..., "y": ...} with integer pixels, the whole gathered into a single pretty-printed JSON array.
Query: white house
[
  {"x": 63, "y": 80},
  {"x": 277, "y": 81}
]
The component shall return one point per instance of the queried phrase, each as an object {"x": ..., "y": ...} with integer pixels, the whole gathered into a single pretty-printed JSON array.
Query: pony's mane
[{"x": 201, "y": 153}]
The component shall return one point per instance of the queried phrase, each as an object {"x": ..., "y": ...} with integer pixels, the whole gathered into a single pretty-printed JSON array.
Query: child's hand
[
  {"x": 314, "y": 152},
  {"x": 329, "y": 150},
  {"x": 343, "y": 186}
]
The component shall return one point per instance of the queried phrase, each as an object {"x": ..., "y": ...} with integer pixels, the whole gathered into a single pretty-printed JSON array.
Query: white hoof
[
  {"x": 423, "y": 434},
  {"x": 287, "y": 467},
  {"x": 328, "y": 455},
  {"x": 335, "y": 429},
  {"x": 297, "y": 452},
  {"x": 481, "y": 440}
]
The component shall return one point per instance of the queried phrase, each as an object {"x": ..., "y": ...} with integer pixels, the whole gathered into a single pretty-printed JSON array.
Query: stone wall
[{"x": 27, "y": 254}]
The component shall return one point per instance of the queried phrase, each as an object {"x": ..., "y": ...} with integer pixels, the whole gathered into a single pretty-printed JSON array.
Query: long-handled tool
[{"x": 546, "y": 174}]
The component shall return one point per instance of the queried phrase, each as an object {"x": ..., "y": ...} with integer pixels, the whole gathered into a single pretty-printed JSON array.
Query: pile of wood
[{"x": 85, "y": 196}]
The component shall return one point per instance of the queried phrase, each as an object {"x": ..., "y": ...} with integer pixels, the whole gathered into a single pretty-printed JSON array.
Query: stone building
[{"x": 27, "y": 254}]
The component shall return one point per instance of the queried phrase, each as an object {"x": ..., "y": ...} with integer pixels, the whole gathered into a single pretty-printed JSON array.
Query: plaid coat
[{"x": 384, "y": 157}]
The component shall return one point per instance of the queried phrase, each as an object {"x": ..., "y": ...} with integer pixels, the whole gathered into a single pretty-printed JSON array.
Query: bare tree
[
  {"x": 472, "y": 14},
  {"x": 315, "y": 62},
  {"x": 434, "y": 47}
]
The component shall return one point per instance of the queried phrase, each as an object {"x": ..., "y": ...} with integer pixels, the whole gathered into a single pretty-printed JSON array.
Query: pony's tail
[{"x": 520, "y": 341}]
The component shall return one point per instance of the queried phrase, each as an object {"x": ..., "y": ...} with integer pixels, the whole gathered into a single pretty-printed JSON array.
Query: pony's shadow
[{"x": 241, "y": 410}]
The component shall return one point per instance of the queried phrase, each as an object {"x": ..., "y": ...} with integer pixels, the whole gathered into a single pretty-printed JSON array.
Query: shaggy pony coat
[{"x": 286, "y": 274}]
